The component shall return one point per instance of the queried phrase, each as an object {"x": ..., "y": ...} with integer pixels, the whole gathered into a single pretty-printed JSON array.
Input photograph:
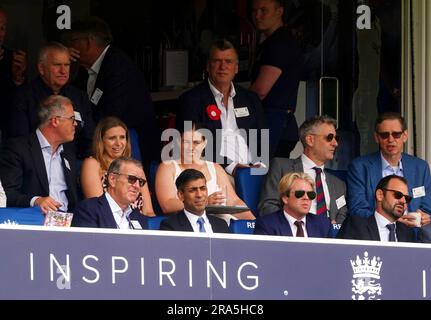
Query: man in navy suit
[
  {"x": 115, "y": 86},
  {"x": 112, "y": 210},
  {"x": 192, "y": 191},
  {"x": 391, "y": 199},
  {"x": 365, "y": 172},
  {"x": 296, "y": 191},
  {"x": 220, "y": 105},
  {"x": 39, "y": 169}
]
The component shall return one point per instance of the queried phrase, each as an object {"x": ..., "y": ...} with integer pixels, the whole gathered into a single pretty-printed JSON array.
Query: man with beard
[{"x": 388, "y": 223}]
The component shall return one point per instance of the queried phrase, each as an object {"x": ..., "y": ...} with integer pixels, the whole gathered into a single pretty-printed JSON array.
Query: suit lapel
[
  {"x": 36, "y": 153},
  {"x": 310, "y": 226},
  {"x": 372, "y": 228},
  {"x": 284, "y": 225},
  {"x": 297, "y": 165},
  {"x": 330, "y": 182},
  {"x": 409, "y": 173},
  {"x": 184, "y": 222},
  {"x": 67, "y": 165},
  {"x": 106, "y": 213},
  {"x": 208, "y": 99},
  {"x": 376, "y": 170}
]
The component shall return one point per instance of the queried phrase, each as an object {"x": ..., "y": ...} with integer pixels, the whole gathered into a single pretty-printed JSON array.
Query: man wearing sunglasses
[
  {"x": 365, "y": 172},
  {"x": 391, "y": 201},
  {"x": 112, "y": 210},
  {"x": 319, "y": 139},
  {"x": 296, "y": 192}
]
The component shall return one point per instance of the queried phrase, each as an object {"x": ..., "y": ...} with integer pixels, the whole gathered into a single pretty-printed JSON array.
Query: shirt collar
[
  {"x": 44, "y": 144},
  {"x": 381, "y": 220},
  {"x": 115, "y": 208},
  {"x": 386, "y": 164},
  {"x": 309, "y": 164},
  {"x": 95, "y": 68},
  {"x": 48, "y": 91},
  {"x": 194, "y": 217},
  {"x": 292, "y": 220},
  {"x": 218, "y": 94}
]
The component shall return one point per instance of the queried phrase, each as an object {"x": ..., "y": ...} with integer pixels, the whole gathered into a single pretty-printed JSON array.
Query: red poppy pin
[{"x": 213, "y": 112}]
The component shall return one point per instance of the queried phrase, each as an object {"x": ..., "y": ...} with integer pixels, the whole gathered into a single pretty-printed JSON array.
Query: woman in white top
[{"x": 192, "y": 146}]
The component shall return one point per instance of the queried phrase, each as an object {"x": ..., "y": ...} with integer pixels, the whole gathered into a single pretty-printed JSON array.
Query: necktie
[
  {"x": 201, "y": 223},
  {"x": 320, "y": 199},
  {"x": 391, "y": 228},
  {"x": 299, "y": 230}
]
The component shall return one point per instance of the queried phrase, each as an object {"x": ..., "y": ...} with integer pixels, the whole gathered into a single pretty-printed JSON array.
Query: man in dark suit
[
  {"x": 319, "y": 139},
  {"x": 115, "y": 86},
  {"x": 220, "y": 105},
  {"x": 53, "y": 68},
  {"x": 39, "y": 169},
  {"x": 192, "y": 191},
  {"x": 296, "y": 190},
  {"x": 388, "y": 223},
  {"x": 112, "y": 210}
]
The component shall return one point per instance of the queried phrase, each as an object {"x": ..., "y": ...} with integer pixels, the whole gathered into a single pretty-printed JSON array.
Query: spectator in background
[
  {"x": 2, "y": 197},
  {"x": 115, "y": 86},
  {"x": 218, "y": 103},
  {"x": 54, "y": 70},
  {"x": 320, "y": 140},
  {"x": 125, "y": 179},
  {"x": 391, "y": 201},
  {"x": 13, "y": 64},
  {"x": 192, "y": 145},
  {"x": 192, "y": 191},
  {"x": 39, "y": 169},
  {"x": 276, "y": 75},
  {"x": 296, "y": 192},
  {"x": 111, "y": 140}
]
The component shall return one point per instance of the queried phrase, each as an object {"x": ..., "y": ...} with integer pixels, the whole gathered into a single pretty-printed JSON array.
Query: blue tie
[
  {"x": 391, "y": 228},
  {"x": 201, "y": 223}
]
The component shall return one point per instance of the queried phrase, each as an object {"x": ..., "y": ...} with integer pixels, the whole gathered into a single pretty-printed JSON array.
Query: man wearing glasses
[
  {"x": 296, "y": 192},
  {"x": 319, "y": 139},
  {"x": 391, "y": 201},
  {"x": 365, "y": 172},
  {"x": 112, "y": 209},
  {"x": 39, "y": 169}
]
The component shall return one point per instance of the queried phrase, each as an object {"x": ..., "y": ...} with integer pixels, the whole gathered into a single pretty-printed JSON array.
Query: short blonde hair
[{"x": 286, "y": 182}]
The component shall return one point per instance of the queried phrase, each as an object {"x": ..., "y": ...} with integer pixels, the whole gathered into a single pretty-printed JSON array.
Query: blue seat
[
  {"x": 340, "y": 174},
  {"x": 242, "y": 226},
  {"x": 22, "y": 216},
  {"x": 134, "y": 142},
  {"x": 247, "y": 187},
  {"x": 334, "y": 230},
  {"x": 154, "y": 222}
]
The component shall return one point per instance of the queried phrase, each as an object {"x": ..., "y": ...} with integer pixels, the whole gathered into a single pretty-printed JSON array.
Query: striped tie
[{"x": 320, "y": 199}]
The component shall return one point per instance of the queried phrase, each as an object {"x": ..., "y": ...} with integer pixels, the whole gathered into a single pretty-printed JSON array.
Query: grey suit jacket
[{"x": 269, "y": 197}]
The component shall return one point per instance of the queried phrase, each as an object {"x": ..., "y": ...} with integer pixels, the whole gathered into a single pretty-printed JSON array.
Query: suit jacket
[
  {"x": 179, "y": 222},
  {"x": 23, "y": 173},
  {"x": 193, "y": 105},
  {"x": 125, "y": 96},
  {"x": 96, "y": 213},
  {"x": 24, "y": 118},
  {"x": 269, "y": 197},
  {"x": 364, "y": 173},
  {"x": 365, "y": 228},
  {"x": 276, "y": 224}
]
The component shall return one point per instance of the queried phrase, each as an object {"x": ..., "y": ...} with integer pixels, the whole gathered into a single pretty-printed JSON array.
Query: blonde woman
[{"x": 111, "y": 140}]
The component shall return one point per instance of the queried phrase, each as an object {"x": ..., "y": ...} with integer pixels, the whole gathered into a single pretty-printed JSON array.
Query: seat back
[
  {"x": 134, "y": 142},
  {"x": 247, "y": 187},
  {"x": 22, "y": 216},
  {"x": 242, "y": 226},
  {"x": 154, "y": 222}
]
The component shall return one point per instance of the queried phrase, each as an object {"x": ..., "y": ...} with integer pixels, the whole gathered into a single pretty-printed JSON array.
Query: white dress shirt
[
  {"x": 121, "y": 217},
  {"x": 381, "y": 226},
  {"x": 293, "y": 226},
  {"x": 193, "y": 218},
  {"x": 388, "y": 170}
]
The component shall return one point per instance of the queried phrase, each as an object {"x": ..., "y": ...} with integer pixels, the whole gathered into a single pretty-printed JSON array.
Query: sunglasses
[
  {"x": 329, "y": 137},
  {"x": 385, "y": 135},
  {"x": 398, "y": 195},
  {"x": 132, "y": 179},
  {"x": 300, "y": 193}
]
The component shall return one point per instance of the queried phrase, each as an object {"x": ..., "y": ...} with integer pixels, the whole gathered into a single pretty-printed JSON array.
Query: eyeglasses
[
  {"x": 300, "y": 193},
  {"x": 132, "y": 179},
  {"x": 398, "y": 195},
  {"x": 72, "y": 118},
  {"x": 385, "y": 135},
  {"x": 329, "y": 137}
]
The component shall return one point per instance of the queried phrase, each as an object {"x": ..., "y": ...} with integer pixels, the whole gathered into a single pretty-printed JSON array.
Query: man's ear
[
  {"x": 285, "y": 199},
  {"x": 379, "y": 195},
  {"x": 180, "y": 195}
]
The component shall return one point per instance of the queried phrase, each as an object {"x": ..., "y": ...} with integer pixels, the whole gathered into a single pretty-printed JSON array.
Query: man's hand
[
  {"x": 74, "y": 54},
  {"x": 410, "y": 219},
  {"x": 47, "y": 204},
  {"x": 216, "y": 198},
  {"x": 19, "y": 65}
]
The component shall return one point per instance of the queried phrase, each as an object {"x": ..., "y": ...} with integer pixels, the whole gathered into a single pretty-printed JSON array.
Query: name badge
[
  {"x": 241, "y": 112},
  {"x": 419, "y": 192},
  {"x": 96, "y": 96},
  {"x": 136, "y": 224},
  {"x": 341, "y": 202},
  {"x": 78, "y": 116},
  {"x": 66, "y": 163}
]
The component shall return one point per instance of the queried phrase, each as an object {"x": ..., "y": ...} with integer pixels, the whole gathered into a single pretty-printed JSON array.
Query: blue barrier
[
  {"x": 22, "y": 216},
  {"x": 154, "y": 222},
  {"x": 242, "y": 226}
]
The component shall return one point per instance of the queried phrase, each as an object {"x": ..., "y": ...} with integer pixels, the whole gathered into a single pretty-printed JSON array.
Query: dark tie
[
  {"x": 201, "y": 223},
  {"x": 391, "y": 228},
  {"x": 299, "y": 230},
  {"x": 320, "y": 198}
]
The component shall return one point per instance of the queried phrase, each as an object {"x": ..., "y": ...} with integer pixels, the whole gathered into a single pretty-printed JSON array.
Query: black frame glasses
[
  {"x": 329, "y": 137},
  {"x": 398, "y": 195},
  {"x": 300, "y": 193},
  {"x": 132, "y": 179},
  {"x": 385, "y": 134},
  {"x": 71, "y": 118}
]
